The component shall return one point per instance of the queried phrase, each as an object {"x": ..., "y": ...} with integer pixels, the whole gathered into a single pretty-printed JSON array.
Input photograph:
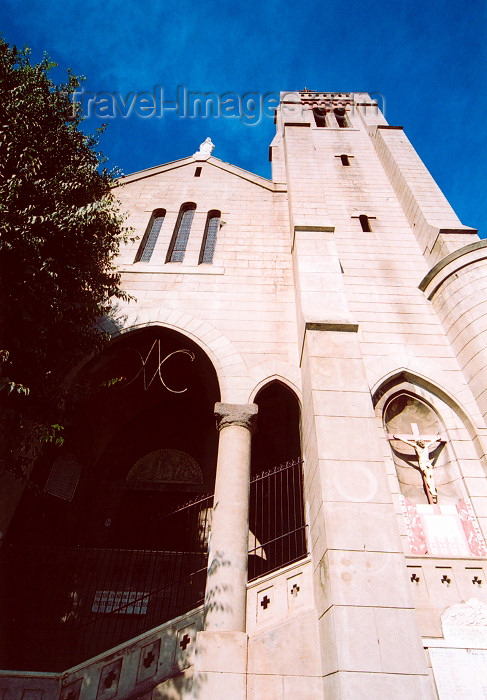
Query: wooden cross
[{"x": 422, "y": 445}]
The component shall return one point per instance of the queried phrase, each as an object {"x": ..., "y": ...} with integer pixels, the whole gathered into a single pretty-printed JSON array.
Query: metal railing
[
  {"x": 276, "y": 520},
  {"x": 63, "y": 605}
]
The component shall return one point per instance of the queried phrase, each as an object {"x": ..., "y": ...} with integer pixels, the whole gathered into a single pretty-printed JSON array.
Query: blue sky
[{"x": 428, "y": 60}]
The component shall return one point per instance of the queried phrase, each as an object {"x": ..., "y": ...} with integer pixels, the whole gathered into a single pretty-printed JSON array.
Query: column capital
[{"x": 243, "y": 414}]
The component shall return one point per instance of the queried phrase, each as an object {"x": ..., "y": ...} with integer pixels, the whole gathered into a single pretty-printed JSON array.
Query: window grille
[
  {"x": 181, "y": 233},
  {"x": 209, "y": 239},
  {"x": 120, "y": 602},
  {"x": 151, "y": 235}
]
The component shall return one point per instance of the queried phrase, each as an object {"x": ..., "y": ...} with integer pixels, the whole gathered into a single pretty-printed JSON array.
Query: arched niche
[
  {"x": 410, "y": 411},
  {"x": 409, "y": 416}
]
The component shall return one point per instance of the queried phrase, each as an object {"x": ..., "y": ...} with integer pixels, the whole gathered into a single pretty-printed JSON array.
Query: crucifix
[{"x": 422, "y": 445}]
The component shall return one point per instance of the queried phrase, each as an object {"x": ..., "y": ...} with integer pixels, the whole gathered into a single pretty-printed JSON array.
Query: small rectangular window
[
  {"x": 197, "y": 172},
  {"x": 365, "y": 223},
  {"x": 345, "y": 159},
  {"x": 121, "y": 602}
]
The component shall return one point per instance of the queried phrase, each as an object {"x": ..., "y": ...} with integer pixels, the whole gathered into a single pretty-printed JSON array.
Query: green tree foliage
[{"x": 60, "y": 230}]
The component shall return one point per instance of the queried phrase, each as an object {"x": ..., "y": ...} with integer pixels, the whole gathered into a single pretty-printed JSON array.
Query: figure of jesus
[{"x": 422, "y": 449}]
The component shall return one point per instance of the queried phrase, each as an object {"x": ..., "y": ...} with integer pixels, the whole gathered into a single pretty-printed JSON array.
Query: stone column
[
  {"x": 226, "y": 587},
  {"x": 221, "y": 649}
]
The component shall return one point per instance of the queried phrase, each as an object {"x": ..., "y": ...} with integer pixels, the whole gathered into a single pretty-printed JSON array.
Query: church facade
[{"x": 283, "y": 493}]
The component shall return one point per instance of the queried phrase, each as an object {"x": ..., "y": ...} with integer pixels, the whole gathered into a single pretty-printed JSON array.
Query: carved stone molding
[
  {"x": 465, "y": 624},
  {"x": 236, "y": 414},
  {"x": 166, "y": 466},
  {"x": 473, "y": 612}
]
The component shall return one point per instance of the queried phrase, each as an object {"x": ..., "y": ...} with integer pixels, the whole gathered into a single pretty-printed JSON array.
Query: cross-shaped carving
[
  {"x": 110, "y": 679},
  {"x": 477, "y": 580},
  {"x": 265, "y": 602},
  {"x": 149, "y": 659},
  {"x": 414, "y": 578},
  {"x": 184, "y": 642},
  {"x": 295, "y": 590},
  {"x": 445, "y": 579},
  {"x": 422, "y": 445}
]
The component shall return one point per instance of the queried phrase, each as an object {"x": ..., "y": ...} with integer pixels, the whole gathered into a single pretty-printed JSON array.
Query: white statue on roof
[{"x": 205, "y": 149}]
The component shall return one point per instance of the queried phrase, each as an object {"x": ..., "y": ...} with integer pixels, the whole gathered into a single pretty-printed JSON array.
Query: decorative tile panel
[
  {"x": 265, "y": 600},
  {"x": 148, "y": 660},
  {"x": 109, "y": 680},
  {"x": 72, "y": 690},
  {"x": 295, "y": 593},
  {"x": 185, "y": 646}
]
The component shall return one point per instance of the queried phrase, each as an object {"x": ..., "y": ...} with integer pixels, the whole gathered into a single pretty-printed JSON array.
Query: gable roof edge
[{"x": 216, "y": 162}]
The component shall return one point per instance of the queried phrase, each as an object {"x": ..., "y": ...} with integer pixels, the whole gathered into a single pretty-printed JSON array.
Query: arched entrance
[{"x": 102, "y": 552}]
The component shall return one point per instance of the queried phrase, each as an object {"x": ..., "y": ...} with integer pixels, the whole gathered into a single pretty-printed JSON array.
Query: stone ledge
[
  {"x": 325, "y": 229},
  {"x": 464, "y": 256},
  {"x": 181, "y": 269},
  {"x": 332, "y": 325}
]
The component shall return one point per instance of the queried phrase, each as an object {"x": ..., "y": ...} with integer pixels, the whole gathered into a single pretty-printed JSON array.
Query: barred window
[
  {"x": 151, "y": 235},
  {"x": 209, "y": 239},
  {"x": 181, "y": 233}
]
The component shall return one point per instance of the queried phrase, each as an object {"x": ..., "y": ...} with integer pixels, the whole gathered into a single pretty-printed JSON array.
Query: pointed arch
[{"x": 278, "y": 436}]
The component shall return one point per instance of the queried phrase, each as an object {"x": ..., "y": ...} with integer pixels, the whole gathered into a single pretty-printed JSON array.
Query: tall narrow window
[
  {"x": 320, "y": 116},
  {"x": 151, "y": 235},
  {"x": 180, "y": 236},
  {"x": 345, "y": 159},
  {"x": 341, "y": 117},
  {"x": 209, "y": 239}
]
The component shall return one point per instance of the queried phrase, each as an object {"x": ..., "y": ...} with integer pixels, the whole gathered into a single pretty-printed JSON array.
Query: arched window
[
  {"x": 341, "y": 117},
  {"x": 276, "y": 518},
  {"x": 181, "y": 233},
  {"x": 209, "y": 239},
  {"x": 151, "y": 235},
  {"x": 320, "y": 116}
]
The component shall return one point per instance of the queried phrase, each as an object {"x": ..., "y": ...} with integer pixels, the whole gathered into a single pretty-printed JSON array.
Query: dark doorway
[{"x": 144, "y": 442}]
